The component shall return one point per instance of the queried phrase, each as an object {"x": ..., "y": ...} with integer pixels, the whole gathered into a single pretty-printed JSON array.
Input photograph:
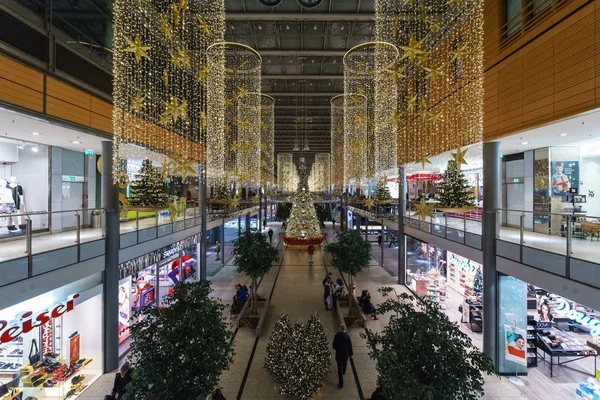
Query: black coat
[
  {"x": 342, "y": 345},
  {"x": 120, "y": 383},
  {"x": 377, "y": 395}
]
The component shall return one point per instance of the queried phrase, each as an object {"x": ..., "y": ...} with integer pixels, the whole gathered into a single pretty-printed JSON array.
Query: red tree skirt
[{"x": 293, "y": 241}]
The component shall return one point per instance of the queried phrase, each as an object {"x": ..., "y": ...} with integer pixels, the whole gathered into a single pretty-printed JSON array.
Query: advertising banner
[
  {"x": 124, "y": 309},
  {"x": 515, "y": 345}
]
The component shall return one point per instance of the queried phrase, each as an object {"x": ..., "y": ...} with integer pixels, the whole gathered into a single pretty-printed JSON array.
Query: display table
[
  {"x": 557, "y": 343},
  {"x": 472, "y": 315}
]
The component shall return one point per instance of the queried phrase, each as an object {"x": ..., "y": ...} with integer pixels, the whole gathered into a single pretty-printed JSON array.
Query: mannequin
[
  {"x": 7, "y": 206},
  {"x": 17, "y": 194}
]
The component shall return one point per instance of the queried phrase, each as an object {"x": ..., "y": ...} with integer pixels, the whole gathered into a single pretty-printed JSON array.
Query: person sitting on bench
[
  {"x": 366, "y": 305},
  {"x": 241, "y": 295}
]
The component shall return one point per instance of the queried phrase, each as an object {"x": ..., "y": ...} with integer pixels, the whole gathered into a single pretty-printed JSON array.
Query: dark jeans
[{"x": 341, "y": 371}]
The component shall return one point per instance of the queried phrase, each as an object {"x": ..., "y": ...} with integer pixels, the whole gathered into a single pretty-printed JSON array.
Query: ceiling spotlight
[
  {"x": 270, "y": 3},
  {"x": 34, "y": 149},
  {"x": 315, "y": 27},
  {"x": 563, "y": 134},
  {"x": 232, "y": 27},
  {"x": 35, "y": 133},
  {"x": 312, "y": 61},
  {"x": 310, "y": 3},
  {"x": 260, "y": 27},
  {"x": 524, "y": 143},
  {"x": 287, "y": 27},
  {"x": 343, "y": 27},
  {"x": 75, "y": 142},
  {"x": 21, "y": 146}
]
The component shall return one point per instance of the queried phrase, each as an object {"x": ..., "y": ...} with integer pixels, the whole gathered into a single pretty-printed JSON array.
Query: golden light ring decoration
[{"x": 240, "y": 46}]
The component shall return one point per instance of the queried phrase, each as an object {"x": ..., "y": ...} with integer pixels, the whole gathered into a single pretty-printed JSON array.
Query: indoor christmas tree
[
  {"x": 279, "y": 344},
  {"x": 382, "y": 192},
  {"x": 221, "y": 192},
  {"x": 454, "y": 189},
  {"x": 148, "y": 188},
  {"x": 478, "y": 283}
]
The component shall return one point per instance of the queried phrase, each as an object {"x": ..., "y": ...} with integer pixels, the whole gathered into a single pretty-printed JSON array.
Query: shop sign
[
  {"x": 26, "y": 321},
  {"x": 462, "y": 262},
  {"x": 174, "y": 249},
  {"x": 564, "y": 307}
]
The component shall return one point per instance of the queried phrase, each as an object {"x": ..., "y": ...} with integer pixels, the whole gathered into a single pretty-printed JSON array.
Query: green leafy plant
[
  {"x": 254, "y": 257},
  {"x": 421, "y": 354},
  {"x": 350, "y": 253},
  {"x": 382, "y": 191},
  {"x": 179, "y": 351},
  {"x": 454, "y": 188},
  {"x": 298, "y": 357},
  {"x": 323, "y": 212}
]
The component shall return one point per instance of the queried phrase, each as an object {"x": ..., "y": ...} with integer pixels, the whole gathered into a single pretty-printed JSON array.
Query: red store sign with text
[{"x": 26, "y": 321}]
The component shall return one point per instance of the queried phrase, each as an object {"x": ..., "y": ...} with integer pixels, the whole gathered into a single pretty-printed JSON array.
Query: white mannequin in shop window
[
  {"x": 7, "y": 206},
  {"x": 18, "y": 197}
]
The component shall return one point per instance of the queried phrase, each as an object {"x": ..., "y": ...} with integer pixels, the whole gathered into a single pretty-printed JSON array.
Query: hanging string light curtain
[
  {"x": 324, "y": 162},
  {"x": 337, "y": 142},
  {"x": 285, "y": 172},
  {"x": 440, "y": 95},
  {"x": 234, "y": 69},
  {"x": 369, "y": 70},
  {"x": 159, "y": 96},
  {"x": 267, "y": 126},
  {"x": 355, "y": 137}
]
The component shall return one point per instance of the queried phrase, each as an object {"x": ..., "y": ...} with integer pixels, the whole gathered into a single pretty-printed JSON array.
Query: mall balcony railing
[{"x": 39, "y": 242}]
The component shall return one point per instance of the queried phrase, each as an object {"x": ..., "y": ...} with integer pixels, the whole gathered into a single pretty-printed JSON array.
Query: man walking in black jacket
[{"x": 342, "y": 345}]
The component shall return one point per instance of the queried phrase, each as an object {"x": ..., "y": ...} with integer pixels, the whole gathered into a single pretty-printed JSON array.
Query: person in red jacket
[{"x": 311, "y": 251}]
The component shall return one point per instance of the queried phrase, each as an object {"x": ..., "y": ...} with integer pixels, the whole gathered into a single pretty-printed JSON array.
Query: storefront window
[{"x": 49, "y": 351}]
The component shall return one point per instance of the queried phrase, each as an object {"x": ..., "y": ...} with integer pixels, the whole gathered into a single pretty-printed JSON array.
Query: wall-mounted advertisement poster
[
  {"x": 124, "y": 309},
  {"x": 515, "y": 345},
  {"x": 565, "y": 175}
]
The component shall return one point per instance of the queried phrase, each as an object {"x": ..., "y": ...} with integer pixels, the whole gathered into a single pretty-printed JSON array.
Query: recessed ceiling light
[
  {"x": 343, "y": 27},
  {"x": 287, "y": 27},
  {"x": 34, "y": 149},
  {"x": 315, "y": 27},
  {"x": 35, "y": 133},
  {"x": 524, "y": 142},
  {"x": 232, "y": 27},
  {"x": 21, "y": 147},
  {"x": 563, "y": 134},
  {"x": 260, "y": 27},
  {"x": 75, "y": 142}
]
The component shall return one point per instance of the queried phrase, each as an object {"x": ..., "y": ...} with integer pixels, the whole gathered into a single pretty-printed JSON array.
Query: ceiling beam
[
  {"x": 302, "y": 53},
  {"x": 254, "y": 16},
  {"x": 307, "y": 77}
]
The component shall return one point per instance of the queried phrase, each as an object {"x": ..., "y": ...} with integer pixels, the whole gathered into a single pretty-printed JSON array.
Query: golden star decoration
[
  {"x": 242, "y": 92},
  {"x": 423, "y": 159},
  {"x": 423, "y": 13},
  {"x": 183, "y": 167},
  {"x": 203, "y": 25},
  {"x": 165, "y": 119},
  {"x": 166, "y": 77},
  {"x": 138, "y": 103},
  {"x": 174, "y": 58},
  {"x": 457, "y": 2},
  {"x": 245, "y": 123},
  {"x": 413, "y": 49},
  {"x": 397, "y": 118},
  {"x": 228, "y": 102},
  {"x": 175, "y": 13},
  {"x": 459, "y": 157},
  {"x": 183, "y": 5},
  {"x": 359, "y": 119},
  {"x": 397, "y": 73},
  {"x": 184, "y": 58},
  {"x": 423, "y": 105},
  {"x": 412, "y": 103},
  {"x": 246, "y": 147},
  {"x": 243, "y": 65},
  {"x": 165, "y": 27},
  {"x": 356, "y": 146},
  {"x": 167, "y": 166},
  {"x": 234, "y": 147},
  {"x": 435, "y": 116},
  {"x": 434, "y": 73},
  {"x": 137, "y": 48},
  {"x": 340, "y": 129},
  {"x": 369, "y": 202},
  {"x": 423, "y": 210},
  {"x": 203, "y": 74},
  {"x": 434, "y": 25},
  {"x": 235, "y": 202},
  {"x": 226, "y": 128},
  {"x": 396, "y": 26},
  {"x": 459, "y": 53}
]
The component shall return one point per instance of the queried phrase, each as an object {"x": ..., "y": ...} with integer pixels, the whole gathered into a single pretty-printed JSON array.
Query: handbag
[{"x": 34, "y": 357}]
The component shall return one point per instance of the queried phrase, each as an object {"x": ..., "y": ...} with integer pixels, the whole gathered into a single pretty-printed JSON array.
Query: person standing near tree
[
  {"x": 393, "y": 240},
  {"x": 342, "y": 344},
  {"x": 270, "y": 233},
  {"x": 380, "y": 239},
  {"x": 218, "y": 250},
  {"x": 311, "y": 251}
]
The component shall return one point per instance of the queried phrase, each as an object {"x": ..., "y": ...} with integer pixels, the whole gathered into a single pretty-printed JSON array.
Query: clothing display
[{"x": 17, "y": 194}]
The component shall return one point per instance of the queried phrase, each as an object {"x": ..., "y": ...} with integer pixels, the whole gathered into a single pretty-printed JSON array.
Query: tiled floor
[{"x": 297, "y": 290}]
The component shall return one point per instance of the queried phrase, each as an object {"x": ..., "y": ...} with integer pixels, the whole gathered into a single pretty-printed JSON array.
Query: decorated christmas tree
[
  {"x": 454, "y": 189},
  {"x": 148, "y": 188},
  {"x": 478, "y": 283},
  {"x": 298, "y": 357},
  {"x": 221, "y": 192},
  {"x": 279, "y": 344},
  {"x": 382, "y": 192},
  {"x": 303, "y": 226}
]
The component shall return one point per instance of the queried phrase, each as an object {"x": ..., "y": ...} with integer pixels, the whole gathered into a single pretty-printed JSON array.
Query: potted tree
[
  {"x": 350, "y": 255},
  {"x": 421, "y": 354},
  {"x": 179, "y": 351},
  {"x": 254, "y": 257}
]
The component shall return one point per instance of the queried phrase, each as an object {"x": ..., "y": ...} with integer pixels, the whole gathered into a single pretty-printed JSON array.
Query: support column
[
  {"x": 383, "y": 236},
  {"x": 366, "y": 228},
  {"x": 491, "y": 194},
  {"x": 204, "y": 212},
  {"x": 110, "y": 203},
  {"x": 222, "y": 243},
  {"x": 259, "y": 222},
  {"x": 401, "y": 239},
  {"x": 247, "y": 222},
  {"x": 239, "y": 225}
]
